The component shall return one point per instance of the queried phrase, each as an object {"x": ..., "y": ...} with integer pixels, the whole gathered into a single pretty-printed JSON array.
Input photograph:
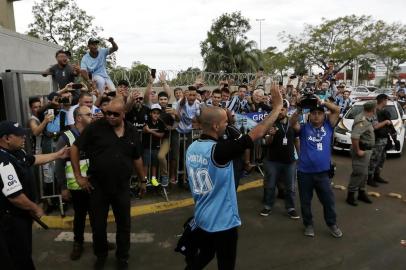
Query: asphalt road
[{"x": 371, "y": 234}]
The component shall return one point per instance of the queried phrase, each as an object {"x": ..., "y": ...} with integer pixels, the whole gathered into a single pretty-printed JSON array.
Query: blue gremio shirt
[
  {"x": 315, "y": 148},
  {"x": 212, "y": 187},
  {"x": 96, "y": 66}
]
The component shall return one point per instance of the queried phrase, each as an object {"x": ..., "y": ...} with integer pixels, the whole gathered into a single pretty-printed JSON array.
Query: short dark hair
[
  {"x": 105, "y": 99},
  {"x": 76, "y": 112},
  {"x": 381, "y": 98},
  {"x": 225, "y": 90},
  {"x": 123, "y": 82},
  {"x": 216, "y": 91},
  {"x": 85, "y": 94},
  {"x": 243, "y": 86},
  {"x": 62, "y": 51},
  {"x": 177, "y": 89},
  {"x": 33, "y": 100},
  {"x": 192, "y": 88},
  {"x": 163, "y": 94}
]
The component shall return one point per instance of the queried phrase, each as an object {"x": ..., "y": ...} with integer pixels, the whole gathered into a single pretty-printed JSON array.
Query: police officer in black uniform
[{"x": 17, "y": 207}]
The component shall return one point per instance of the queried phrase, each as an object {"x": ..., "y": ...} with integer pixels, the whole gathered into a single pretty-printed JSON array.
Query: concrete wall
[
  {"x": 7, "y": 14},
  {"x": 21, "y": 52}
]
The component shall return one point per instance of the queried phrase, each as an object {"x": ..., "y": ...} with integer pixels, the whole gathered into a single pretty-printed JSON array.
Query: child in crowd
[{"x": 154, "y": 131}]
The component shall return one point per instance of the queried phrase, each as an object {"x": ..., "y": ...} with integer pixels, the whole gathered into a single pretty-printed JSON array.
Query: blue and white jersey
[{"x": 212, "y": 187}]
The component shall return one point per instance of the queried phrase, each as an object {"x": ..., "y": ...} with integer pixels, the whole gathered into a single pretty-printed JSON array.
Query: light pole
[{"x": 260, "y": 32}]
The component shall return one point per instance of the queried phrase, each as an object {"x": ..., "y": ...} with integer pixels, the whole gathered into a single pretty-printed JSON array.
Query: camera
[{"x": 309, "y": 100}]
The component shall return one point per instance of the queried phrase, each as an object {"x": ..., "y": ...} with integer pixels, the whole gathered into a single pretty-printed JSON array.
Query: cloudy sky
[{"x": 166, "y": 34}]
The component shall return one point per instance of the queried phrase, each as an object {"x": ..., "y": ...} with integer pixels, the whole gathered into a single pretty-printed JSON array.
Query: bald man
[
  {"x": 113, "y": 149},
  {"x": 211, "y": 179}
]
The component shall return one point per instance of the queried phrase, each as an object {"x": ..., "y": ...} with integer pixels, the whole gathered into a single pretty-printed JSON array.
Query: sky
[{"x": 166, "y": 35}]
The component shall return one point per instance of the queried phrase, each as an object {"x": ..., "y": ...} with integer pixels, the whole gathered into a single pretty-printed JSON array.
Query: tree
[
  {"x": 227, "y": 48},
  {"x": 137, "y": 75},
  {"x": 275, "y": 62},
  {"x": 388, "y": 43},
  {"x": 62, "y": 22},
  {"x": 340, "y": 39}
]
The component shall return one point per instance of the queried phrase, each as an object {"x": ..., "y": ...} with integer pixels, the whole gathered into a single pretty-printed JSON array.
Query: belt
[{"x": 364, "y": 147}]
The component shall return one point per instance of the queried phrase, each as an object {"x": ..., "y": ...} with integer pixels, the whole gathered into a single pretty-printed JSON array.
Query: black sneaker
[
  {"x": 122, "y": 264},
  {"x": 293, "y": 214},
  {"x": 265, "y": 212},
  {"x": 99, "y": 263}
]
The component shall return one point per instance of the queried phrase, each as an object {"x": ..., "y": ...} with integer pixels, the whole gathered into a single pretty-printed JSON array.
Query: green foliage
[
  {"x": 137, "y": 75},
  {"x": 226, "y": 48},
  {"x": 62, "y": 22}
]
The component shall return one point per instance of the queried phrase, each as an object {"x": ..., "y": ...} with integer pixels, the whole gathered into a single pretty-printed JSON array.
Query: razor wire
[{"x": 137, "y": 78}]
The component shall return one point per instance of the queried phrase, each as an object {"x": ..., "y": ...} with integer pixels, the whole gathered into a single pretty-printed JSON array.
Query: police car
[{"x": 342, "y": 132}]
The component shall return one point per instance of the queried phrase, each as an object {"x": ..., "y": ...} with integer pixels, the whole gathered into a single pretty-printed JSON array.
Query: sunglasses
[
  {"x": 139, "y": 99},
  {"x": 115, "y": 114},
  {"x": 87, "y": 114}
]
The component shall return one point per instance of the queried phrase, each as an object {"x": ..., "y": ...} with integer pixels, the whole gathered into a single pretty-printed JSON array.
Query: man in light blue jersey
[
  {"x": 211, "y": 180},
  {"x": 94, "y": 63}
]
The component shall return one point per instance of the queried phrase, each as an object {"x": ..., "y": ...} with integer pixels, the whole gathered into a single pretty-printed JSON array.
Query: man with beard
[{"x": 113, "y": 148}]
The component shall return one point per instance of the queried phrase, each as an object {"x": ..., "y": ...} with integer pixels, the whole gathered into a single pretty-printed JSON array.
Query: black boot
[
  {"x": 371, "y": 181},
  {"x": 351, "y": 198},
  {"x": 379, "y": 179},
  {"x": 363, "y": 196}
]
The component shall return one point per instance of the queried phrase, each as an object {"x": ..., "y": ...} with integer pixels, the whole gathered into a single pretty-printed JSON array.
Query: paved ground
[{"x": 371, "y": 234}]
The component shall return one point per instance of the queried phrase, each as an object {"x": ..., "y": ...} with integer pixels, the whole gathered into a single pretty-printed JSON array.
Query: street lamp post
[{"x": 260, "y": 32}]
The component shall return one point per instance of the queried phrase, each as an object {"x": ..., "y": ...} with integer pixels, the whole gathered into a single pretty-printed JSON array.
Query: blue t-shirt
[
  {"x": 315, "y": 148},
  {"x": 96, "y": 66},
  {"x": 212, "y": 187}
]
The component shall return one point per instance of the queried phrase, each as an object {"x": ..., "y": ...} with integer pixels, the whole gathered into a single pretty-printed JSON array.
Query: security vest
[{"x": 71, "y": 182}]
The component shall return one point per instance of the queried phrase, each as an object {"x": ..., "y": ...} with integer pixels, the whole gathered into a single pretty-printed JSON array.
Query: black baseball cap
[
  {"x": 10, "y": 127},
  {"x": 123, "y": 82},
  {"x": 318, "y": 107},
  {"x": 93, "y": 41}
]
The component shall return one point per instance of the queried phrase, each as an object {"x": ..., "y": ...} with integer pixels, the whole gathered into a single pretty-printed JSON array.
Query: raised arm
[
  {"x": 165, "y": 86},
  {"x": 114, "y": 47},
  {"x": 264, "y": 126}
]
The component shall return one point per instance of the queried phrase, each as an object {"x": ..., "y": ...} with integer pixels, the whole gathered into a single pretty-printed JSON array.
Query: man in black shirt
[
  {"x": 17, "y": 202},
  {"x": 113, "y": 148},
  {"x": 137, "y": 113},
  {"x": 280, "y": 162}
]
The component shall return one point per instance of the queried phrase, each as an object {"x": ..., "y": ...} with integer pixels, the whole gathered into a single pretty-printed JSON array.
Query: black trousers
[
  {"x": 100, "y": 201},
  {"x": 222, "y": 244},
  {"x": 16, "y": 243},
  {"x": 80, "y": 201}
]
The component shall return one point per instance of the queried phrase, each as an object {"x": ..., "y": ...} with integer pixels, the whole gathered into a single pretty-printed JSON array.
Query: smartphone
[
  {"x": 111, "y": 94},
  {"x": 293, "y": 77},
  {"x": 280, "y": 83},
  {"x": 97, "y": 110},
  {"x": 50, "y": 111},
  {"x": 77, "y": 86},
  {"x": 153, "y": 73}
]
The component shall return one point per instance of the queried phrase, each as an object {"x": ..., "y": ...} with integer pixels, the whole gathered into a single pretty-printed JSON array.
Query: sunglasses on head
[{"x": 115, "y": 114}]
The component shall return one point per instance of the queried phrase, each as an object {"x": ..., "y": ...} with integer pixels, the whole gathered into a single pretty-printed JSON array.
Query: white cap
[
  {"x": 402, "y": 80},
  {"x": 156, "y": 106}
]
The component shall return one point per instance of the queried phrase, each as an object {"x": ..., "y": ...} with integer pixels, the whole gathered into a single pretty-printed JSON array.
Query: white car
[
  {"x": 342, "y": 132},
  {"x": 359, "y": 92}
]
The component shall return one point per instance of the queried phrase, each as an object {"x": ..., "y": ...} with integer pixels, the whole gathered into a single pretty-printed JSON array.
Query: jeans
[
  {"x": 101, "y": 82},
  {"x": 273, "y": 172},
  {"x": 320, "y": 182}
]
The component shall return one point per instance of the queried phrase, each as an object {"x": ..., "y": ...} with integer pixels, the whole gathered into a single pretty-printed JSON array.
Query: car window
[
  {"x": 393, "y": 112},
  {"x": 354, "y": 111},
  {"x": 400, "y": 109}
]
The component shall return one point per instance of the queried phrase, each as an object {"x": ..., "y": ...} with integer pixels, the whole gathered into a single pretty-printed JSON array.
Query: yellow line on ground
[{"x": 66, "y": 223}]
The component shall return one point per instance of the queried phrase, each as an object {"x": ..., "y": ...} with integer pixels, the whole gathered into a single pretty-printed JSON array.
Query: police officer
[
  {"x": 17, "y": 207},
  {"x": 363, "y": 140},
  {"x": 211, "y": 180},
  {"x": 381, "y": 125}
]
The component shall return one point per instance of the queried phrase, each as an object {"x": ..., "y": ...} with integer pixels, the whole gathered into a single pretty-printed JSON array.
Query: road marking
[
  {"x": 111, "y": 237},
  {"x": 58, "y": 222}
]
